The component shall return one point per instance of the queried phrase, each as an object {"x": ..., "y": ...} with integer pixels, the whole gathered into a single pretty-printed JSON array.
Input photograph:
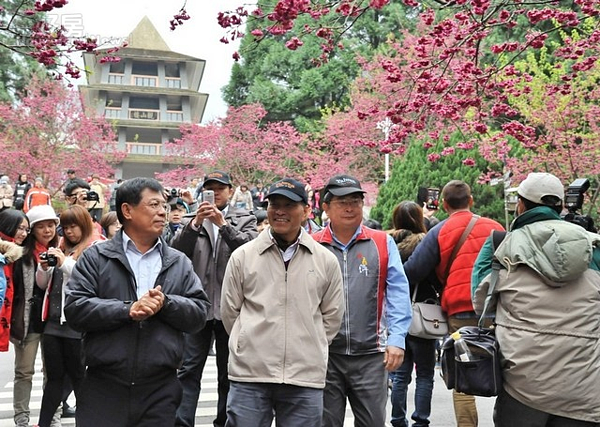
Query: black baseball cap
[
  {"x": 71, "y": 171},
  {"x": 217, "y": 176},
  {"x": 290, "y": 188},
  {"x": 342, "y": 185}
]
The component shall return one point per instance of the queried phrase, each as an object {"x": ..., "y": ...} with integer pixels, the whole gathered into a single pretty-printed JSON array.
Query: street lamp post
[
  {"x": 510, "y": 196},
  {"x": 386, "y": 126}
]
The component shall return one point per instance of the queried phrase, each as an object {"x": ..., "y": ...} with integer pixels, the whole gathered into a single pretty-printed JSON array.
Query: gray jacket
[
  {"x": 210, "y": 264},
  {"x": 548, "y": 318}
]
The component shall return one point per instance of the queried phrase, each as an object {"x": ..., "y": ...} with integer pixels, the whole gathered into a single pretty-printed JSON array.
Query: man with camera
[
  {"x": 78, "y": 192},
  {"x": 96, "y": 207},
  {"x": 546, "y": 284},
  {"x": 208, "y": 239}
]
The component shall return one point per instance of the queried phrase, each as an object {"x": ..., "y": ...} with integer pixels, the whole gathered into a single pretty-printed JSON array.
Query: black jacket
[{"x": 99, "y": 296}]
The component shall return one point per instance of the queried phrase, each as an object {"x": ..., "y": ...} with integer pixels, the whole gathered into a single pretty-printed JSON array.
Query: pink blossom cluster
[{"x": 178, "y": 19}]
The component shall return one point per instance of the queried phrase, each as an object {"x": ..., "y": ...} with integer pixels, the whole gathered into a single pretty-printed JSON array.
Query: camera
[
  {"x": 92, "y": 196},
  {"x": 173, "y": 193},
  {"x": 51, "y": 259},
  {"x": 574, "y": 203}
]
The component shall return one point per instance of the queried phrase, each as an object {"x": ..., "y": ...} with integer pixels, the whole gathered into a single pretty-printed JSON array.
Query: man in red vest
[{"x": 453, "y": 269}]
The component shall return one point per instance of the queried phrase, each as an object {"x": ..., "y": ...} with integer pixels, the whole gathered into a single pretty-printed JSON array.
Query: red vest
[{"x": 456, "y": 297}]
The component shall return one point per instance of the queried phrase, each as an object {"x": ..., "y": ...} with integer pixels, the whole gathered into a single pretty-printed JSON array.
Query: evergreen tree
[
  {"x": 15, "y": 69},
  {"x": 290, "y": 84},
  {"x": 411, "y": 172}
]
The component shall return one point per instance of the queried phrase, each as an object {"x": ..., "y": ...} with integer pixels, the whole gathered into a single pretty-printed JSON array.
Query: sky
[{"x": 198, "y": 37}]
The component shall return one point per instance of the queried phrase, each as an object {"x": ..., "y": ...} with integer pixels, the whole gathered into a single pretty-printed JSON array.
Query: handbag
[
  {"x": 428, "y": 319},
  {"x": 481, "y": 373}
]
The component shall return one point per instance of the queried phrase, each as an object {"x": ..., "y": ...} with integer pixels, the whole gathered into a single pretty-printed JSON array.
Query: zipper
[
  {"x": 285, "y": 323},
  {"x": 346, "y": 298}
]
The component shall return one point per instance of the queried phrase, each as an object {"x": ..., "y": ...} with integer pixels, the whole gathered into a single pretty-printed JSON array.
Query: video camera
[{"x": 574, "y": 203}]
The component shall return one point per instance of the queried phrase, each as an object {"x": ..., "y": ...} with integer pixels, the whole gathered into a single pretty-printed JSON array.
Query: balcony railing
[
  {"x": 142, "y": 80},
  {"x": 145, "y": 148},
  {"x": 138, "y": 80},
  {"x": 174, "y": 116},
  {"x": 173, "y": 82},
  {"x": 144, "y": 114},
  {"x": 115, "y": 78},
  {"x": 112, "y": 112}
]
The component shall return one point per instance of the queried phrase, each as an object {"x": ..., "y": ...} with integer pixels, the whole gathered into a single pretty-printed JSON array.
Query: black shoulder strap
[{"x": 497, "y": 238}]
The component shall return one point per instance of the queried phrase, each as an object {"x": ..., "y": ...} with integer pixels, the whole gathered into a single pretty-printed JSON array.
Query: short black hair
[
  {"x": 75, "y": 184},
  {"x": 10, "y": 220},
  {"x": 130, "y": 192}
]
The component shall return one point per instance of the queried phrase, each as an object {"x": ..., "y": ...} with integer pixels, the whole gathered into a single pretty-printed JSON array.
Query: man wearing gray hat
[
  {"x": 546, "y": 289},
  {"x": 282, "y": 304},
  {"x": 377, "y": 312}
]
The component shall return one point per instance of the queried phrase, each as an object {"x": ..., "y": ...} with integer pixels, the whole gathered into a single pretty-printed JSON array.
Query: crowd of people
[{"x": 302, "y": 317}]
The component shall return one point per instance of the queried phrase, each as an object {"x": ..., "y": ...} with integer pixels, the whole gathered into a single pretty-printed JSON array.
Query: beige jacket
[
  {"x": 548, "y": 325},
  {"x": 281, "y": 321}
]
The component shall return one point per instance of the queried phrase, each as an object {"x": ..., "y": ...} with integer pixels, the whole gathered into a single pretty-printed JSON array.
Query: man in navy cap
[
  {"x": 377, "y": 313},
  {"x": 282, "y": 304}
]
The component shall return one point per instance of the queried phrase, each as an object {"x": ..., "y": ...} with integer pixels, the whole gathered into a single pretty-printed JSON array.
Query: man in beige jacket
[{"x": 282, "y": 304}]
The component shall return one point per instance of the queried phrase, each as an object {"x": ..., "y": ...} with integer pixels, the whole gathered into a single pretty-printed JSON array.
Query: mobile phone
[
  {"x": 208, "y": 196},
  {"x": 433, "y": 198}
]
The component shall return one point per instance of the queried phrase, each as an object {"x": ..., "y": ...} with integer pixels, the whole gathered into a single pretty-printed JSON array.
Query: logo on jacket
[{"x": 363, "y": 267}]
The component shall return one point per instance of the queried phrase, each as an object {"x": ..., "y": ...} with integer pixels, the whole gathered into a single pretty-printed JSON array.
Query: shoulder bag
[
  {"x": 428, "y": 319},
  {"x": 479, "y": 374}
]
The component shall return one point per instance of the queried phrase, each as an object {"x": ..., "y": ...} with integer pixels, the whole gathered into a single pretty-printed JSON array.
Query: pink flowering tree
[
  {"x": 241, "y": 144},
  {"x": 47, "y": 133},
  {"x": 30, "y": 33},
  {"x": 454, "y": 74},
  {"x": 251, "y": 149}
]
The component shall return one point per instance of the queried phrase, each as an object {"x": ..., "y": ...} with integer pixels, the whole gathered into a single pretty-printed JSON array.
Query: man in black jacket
[{"x": 134, "y": 297}]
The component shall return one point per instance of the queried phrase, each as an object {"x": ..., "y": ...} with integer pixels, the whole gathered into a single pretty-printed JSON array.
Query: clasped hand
[{"x": 148, "y": 305}]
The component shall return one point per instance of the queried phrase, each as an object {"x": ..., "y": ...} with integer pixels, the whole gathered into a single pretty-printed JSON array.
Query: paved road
[{"x": 442, "y": 411}]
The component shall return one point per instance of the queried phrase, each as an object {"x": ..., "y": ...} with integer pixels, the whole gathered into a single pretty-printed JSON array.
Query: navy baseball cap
[
  {"x": 217, "y": 176},
  {"x": 290, "y": 188},
  {"x": 342, "y": 185}
]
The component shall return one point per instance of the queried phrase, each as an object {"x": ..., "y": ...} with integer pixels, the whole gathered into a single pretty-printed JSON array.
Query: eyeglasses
[
  {"x": 24, "y": 229},
  {"x": 354, "y": 202},
  {"x": 155, "y": 205}
]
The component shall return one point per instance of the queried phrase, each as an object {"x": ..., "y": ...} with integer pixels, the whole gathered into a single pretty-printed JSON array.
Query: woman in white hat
[
  {"x": 61, "y": 344},
  {"x": 26, "y": 319}
]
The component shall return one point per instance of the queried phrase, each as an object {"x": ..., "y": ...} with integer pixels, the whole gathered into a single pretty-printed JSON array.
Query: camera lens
[{"x": 52, "y": 261}]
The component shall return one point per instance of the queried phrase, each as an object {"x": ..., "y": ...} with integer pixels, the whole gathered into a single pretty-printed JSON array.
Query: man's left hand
[{"x": 393, "y": 358}]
